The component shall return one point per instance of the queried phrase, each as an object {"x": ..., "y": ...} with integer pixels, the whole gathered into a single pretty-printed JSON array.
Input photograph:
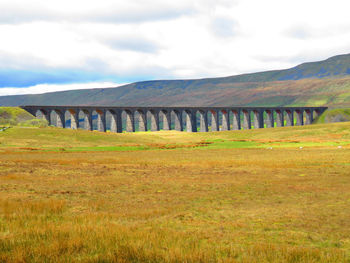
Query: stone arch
[
  {"x": 299, "y": 116},
  {"x": 270, "y": 122},
  {"x": 74, "y": 117},
  {"x": 178, "y": 120},
  {"x": 166, "y": 119},
  {"x": 247, "y": 119},
  {"x": 289, "y": 117},
  {"x": 225, "y": 113},
  {"x": 87, "y": 115},
  {"x": 101, "y": 119},
  {"x": 236, "y": 119},
  {"x": 279, "y": 117},
  {"x": 154, "y": 119},
  {"x": 60, "y": 117},
  {"x": 142, "y": 120},
  {"x": 308, "y": 116},
  {"x": 44, "y": 114},
  {"x": 116, "y": 124},
  {"x": 130, "y": 120},
  {"x": 203, "y": 124},
  {"x": 215, "y": 120},
  {"x": 191, "y": 120},
  {"x": 258, "y": 116}
]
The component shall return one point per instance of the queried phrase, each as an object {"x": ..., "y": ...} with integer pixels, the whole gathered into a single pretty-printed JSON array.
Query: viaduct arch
[{"x": 175, "y": 118}]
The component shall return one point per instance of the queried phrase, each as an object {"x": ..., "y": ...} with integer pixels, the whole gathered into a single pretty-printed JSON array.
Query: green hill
[
  {"x": 316, "y": 84},
  {"x": 334, "y": 115},
  {"x": 14, "y": 116}
]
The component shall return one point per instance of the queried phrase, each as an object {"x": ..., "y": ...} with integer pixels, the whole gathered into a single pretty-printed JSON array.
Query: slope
[{"x": 317, "y": 83}]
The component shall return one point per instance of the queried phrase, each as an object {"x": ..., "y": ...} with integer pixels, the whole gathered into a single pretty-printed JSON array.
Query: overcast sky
[{"x": 49, "y": 45}]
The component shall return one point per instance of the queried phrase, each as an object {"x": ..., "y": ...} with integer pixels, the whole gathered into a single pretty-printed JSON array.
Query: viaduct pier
[{"x": 176, "y": 118}]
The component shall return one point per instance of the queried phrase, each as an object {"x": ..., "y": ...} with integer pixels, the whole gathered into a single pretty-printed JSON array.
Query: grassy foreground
[{"x": 269, "y": 195}]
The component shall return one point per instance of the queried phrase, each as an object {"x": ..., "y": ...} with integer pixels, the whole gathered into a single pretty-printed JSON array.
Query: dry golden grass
[
  {"x": 176, "y": 205},
  {"x": 249, "y": 205}
]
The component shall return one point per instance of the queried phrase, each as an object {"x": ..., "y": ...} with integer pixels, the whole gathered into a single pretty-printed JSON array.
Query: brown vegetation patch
[
  {"x": 228, "y": 205},
  {"x": 179, "y": 146}
]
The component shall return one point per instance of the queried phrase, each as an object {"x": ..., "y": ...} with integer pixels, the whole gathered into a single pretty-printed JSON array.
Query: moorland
[{"x": 261, "y": 195}]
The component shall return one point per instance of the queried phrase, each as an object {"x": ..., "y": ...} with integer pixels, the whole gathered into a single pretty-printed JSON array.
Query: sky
[{"x": 51, "y": 45}]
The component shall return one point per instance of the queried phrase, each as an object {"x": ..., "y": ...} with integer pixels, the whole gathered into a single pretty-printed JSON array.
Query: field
[{"x": 267, "y": 195}]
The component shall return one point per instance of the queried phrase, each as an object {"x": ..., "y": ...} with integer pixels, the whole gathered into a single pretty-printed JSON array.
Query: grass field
[{"x": 267, "y": 195}]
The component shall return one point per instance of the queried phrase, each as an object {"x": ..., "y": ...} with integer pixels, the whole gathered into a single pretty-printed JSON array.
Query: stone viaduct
[{"x": 222, "y": 118}]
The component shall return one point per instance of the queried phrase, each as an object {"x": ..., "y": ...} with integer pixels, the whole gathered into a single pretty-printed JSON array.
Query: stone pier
[
  {"x": 101, "y": 120},
  {"x": 166, "y": 120},
  {"x": 258, "y": 119},
  {"x": 203, "y": 121},
  {"x": 270, "y": 123},
  {"x": 178, "y": 120},
  {"x": 110, "y": 118},
  {"x": 214, "y": 120},
  {"x": 289, "y": 117},
  {"x": 236, "y": 119},
  {"x": 300, "y": 117},
  {"x": 116, "y": 121},
  {"x": 247, "y": 124},
  {"x": 225, "y": 120},
  {"x": 191, "y": 120},
  {"x": 280, "y": 118},
  {"x": 74, "y": 119},
  {"x": 130, "y": 120},
  {"x": 154, "y": 120},
  {"x": 142, "y": 120}
]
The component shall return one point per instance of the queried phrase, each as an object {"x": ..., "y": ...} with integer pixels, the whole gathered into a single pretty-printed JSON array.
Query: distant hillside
[
  {"x": 332, "y": 67},
  {"x": 334, "y": 115},
  {"x": 317, "y": 83},
  {"x": 14, "y": 116}
]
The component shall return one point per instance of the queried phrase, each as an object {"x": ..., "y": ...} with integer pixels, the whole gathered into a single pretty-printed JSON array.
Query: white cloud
[
  {"x": 103, "y": 11},
  {"x": 43, "y": 88},
  {"x": 133, "y": 39}
]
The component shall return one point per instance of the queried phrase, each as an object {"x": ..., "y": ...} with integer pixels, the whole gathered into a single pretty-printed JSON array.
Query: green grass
[{"x": 57, "y": 139}]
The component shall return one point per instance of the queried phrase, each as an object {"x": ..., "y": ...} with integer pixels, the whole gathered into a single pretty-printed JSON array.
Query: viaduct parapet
[{"x": 176, "y": 118}]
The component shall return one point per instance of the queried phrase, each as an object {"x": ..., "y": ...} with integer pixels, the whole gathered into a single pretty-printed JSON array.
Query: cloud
[
  {"x": 103, "y": 11},
  {"x": 12, "y": 60},
  {"x": 25, "y": 78},
  {"x": 136, "y": 44},
  {"x": 43, "y": 88},
  {"x": 16, "y": 13},
  {"x": 149, "y": 12},
  {"x": 224, "y": 27},
  {"x": 299, "y": 32},
  {"x": 15, "y": 78},
  {"x": 65, "y": 42}
]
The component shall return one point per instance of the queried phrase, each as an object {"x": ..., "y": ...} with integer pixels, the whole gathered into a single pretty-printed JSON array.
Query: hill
[
  {"x": 317, "y": 83},
  {"x": 334, "y": 115},
  {"x": 13, "y": 116}
]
